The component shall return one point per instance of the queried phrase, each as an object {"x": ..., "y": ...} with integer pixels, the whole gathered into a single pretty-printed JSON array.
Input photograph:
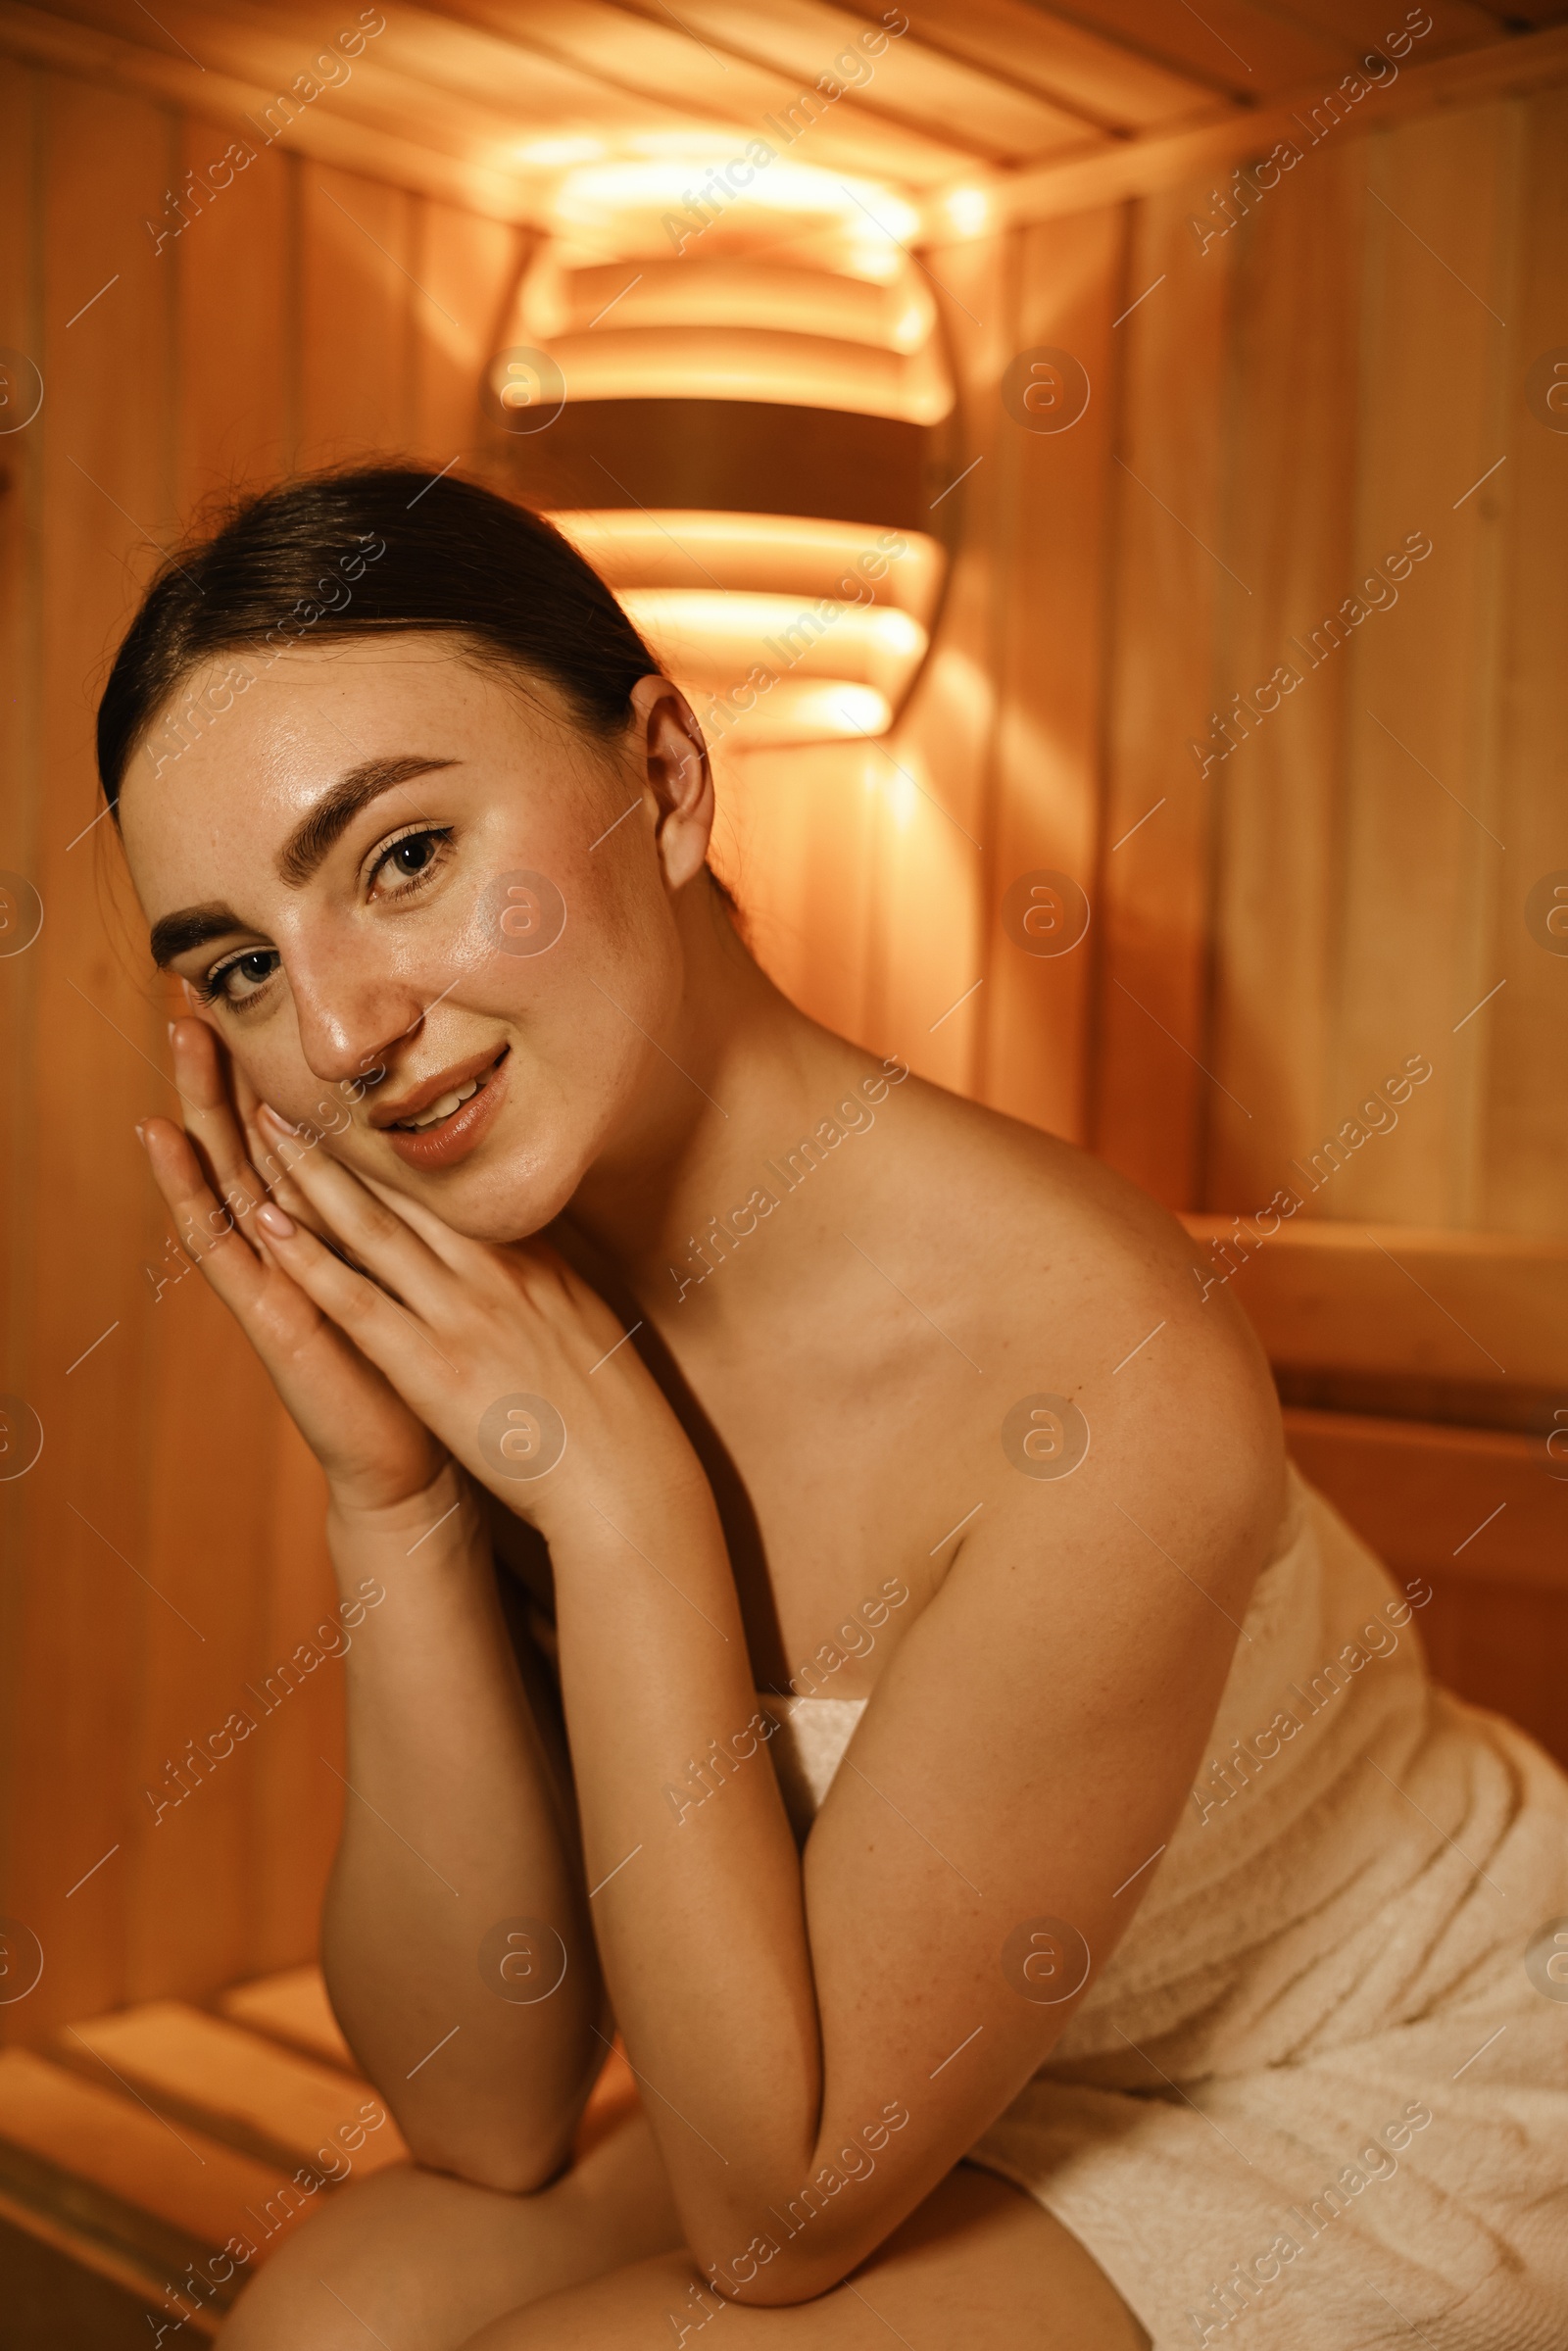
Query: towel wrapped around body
[{"x": 1318, "y": 2098}]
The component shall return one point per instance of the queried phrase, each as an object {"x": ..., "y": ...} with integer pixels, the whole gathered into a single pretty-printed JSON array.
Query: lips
[{"x": 443, "y": 1121}]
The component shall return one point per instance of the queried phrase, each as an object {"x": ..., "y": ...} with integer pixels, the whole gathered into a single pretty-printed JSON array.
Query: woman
[{"x": 1155, "y": 1960}]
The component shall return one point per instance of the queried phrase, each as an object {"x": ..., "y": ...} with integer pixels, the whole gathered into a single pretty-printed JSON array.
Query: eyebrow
[
  {"x": 301, "y": 855},
  {"x": 194, "y": 927}
]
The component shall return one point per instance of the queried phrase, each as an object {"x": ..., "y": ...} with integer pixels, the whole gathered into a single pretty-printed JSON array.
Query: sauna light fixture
[{"x": 969, "y": 209}]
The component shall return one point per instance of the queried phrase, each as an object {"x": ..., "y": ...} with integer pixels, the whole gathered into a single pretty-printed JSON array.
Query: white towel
[{"x": 1318, "y": 2098}]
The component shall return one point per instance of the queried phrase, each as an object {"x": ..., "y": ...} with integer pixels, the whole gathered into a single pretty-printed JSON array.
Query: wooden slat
[
  {"x": 991, "y": 116},
  {"x": 1141, "y": 167},
  {"x": 1484, "y": 1519},
  {"x": 65, "y": 2285},
  {"x": 80, "y": 1613},
  {"x": 466, "y": 268},
  {"x": 1426, "y": 875},
  {"x": 293, "y": 2007},
  {"x": 1520, "y": 1179},
  {"x": 928, "y": 917},
  {"x": 1279, "y": 795},
  {"x": 1393, "y": 1300},
  {"x": 1480, "y": 1506},
  {"x": 1053, "y": 498},
  {"x": 329, "y": 134},
  {"x": 1111, "y": 85},
  {"x": 239, "y": 2086},
  {"x": 1172, "y": 591},
  {"x": 183, "y": 2180},
  {"x": 356, "y": 321}
]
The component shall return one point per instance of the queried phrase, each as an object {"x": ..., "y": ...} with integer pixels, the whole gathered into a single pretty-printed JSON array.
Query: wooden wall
[
  {"x": 1287, "y": 403},
  {"x": 1268, "y": 418},
  {"x": 167, "y": 1548}
]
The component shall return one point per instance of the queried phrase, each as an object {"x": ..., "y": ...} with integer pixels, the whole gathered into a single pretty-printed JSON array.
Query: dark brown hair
[{"x": 345, "y": 553}]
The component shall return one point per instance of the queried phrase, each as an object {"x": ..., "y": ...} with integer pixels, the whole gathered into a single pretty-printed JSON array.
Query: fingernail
[
  {"x": 264, "y": 1110},
  {"x": 141, "y": 1136},
  {"x": 171, "y": 1032},
  {"x": 271, "y": 1219}
]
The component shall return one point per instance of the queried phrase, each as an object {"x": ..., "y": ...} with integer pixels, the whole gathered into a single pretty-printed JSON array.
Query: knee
[{"x": 333, "y": 2282}]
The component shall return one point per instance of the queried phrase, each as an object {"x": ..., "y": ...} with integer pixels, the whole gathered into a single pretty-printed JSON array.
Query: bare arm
[
  {"x": 457, "y": 1822},
  {"x": 455, "y": 1940}
]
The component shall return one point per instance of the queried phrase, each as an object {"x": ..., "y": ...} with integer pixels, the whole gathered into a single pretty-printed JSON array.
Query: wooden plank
[
  {"x": 296, "y": 1797},
  {"x": 1278, "y": 781},
  {"x": 1239, "y": 47},
  {"x": 1426, "y": 860},
  {"x": 941, "y": 96},
  {"x": 328, "y": 135},
  {"x": 1479, "y": 1506},
  {"x": 1053, "y": 497},
  {"x": 1142, "y": 166},
  {"x": 183, "y": 2180},
  {"x": 234, "y": 266},
  {"x": 356, "y": 319},
  {"x": 238, "y": 2087},
  {"x": 466, "y": 269},
  {"x": 292, "y": 2007},
  {"x": 1484, "y": 1519},
  {"x": 1520, "y": 1122},
  {"x": 21, "y": 516},
  {"x": 1487, "y": 1309},
  {"x": 1173, "y": 590},
  {"x": 929, "y": 917},
  {"x": 65, "y": 2286},
  {"x": 1109, "y": 83},
  {"x": 81, "y": 1613}
]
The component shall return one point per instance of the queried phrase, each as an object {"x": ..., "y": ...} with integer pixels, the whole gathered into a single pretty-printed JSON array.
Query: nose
[{"x": 351, "y": 1020}]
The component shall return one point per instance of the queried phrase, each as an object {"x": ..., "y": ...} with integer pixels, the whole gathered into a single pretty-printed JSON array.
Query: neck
[{"x": 745, "y": 1075}]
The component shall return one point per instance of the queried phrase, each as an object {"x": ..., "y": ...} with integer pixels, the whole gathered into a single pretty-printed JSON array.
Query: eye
[
  {"x": 408, "y": 860},
  {"x": 241, "y": 978}
]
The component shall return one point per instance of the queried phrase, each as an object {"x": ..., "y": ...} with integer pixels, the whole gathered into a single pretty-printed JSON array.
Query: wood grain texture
[
  {"x": 1173, "y": 593},
  {"x": 1299, "y": 394},
  {"x": 1278, "y": 782},
  {"x": 1055, "y": 493},
  {"x": 1397, "y": 1300},
  {"x": 1484, "y": 1520}
]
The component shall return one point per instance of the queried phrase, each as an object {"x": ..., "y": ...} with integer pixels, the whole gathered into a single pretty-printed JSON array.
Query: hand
[
  {"x": 504, "y": 1353},
  {"x": 374, "y": 1450}
]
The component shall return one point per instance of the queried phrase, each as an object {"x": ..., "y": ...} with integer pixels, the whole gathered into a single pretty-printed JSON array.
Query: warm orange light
[{"x": 780, "y": 555}]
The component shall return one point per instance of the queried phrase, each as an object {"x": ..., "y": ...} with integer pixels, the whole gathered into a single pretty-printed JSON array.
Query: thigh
[
  {"x": 978, "y": 2265},
  {"x": 418, "y": 2261}
]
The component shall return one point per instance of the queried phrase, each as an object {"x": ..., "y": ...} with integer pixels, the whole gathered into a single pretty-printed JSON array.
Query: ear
[{"x": 678, "y": 775}]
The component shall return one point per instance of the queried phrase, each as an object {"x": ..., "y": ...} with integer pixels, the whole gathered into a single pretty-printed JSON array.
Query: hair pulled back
[{"x": 357, "y": 549}]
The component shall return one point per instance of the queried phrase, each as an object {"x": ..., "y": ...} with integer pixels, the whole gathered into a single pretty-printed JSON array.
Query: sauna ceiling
[{"x": 493, "y": 101}]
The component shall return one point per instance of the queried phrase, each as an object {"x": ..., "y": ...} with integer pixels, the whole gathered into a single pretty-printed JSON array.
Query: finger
[
  {"x": 278, "y": 1183},
  {"x": 206, "y": 1225},
  {"x": 462, "y": 1255},
  {"x": 380, "y": 1239},
  {"x": 378, "y": 1326},
  {"x": 209, "y": 1116}
]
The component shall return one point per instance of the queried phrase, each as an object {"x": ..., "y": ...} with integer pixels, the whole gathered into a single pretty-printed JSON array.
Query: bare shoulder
[{"x": 1092, "y": 1290}]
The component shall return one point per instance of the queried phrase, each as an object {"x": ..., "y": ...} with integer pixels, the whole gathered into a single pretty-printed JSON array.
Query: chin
[{"x": 508, "y": 1199}]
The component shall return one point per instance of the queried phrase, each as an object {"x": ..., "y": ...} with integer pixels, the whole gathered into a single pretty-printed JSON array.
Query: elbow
[
  {"x": 509, "y": 2164},
  {"x": 771, "y": 2276}
]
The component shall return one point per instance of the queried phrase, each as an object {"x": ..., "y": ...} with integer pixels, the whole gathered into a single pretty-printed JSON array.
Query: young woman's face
[{"x": 397, "y": 889}]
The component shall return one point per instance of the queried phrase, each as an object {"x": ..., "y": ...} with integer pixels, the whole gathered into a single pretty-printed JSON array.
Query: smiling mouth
[{"x": 446, "y": 1106}]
